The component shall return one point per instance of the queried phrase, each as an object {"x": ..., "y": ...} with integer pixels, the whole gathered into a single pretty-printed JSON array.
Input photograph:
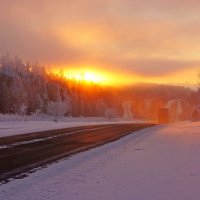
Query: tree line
[{"x": 27, "y": 88}]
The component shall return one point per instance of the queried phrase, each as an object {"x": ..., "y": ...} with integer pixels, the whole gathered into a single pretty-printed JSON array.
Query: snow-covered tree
[
  {"x": 110, "y": 113},
  {"x": 58, "y": 109}
]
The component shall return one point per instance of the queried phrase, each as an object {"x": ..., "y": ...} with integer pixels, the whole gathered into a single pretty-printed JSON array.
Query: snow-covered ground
[
  {"x": 159, "y": 163},
  {"x": 14, "y": 128},
  {"x": 18, "y": 125}
]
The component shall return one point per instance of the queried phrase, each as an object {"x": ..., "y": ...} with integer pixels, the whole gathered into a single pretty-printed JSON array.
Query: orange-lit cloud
[{"x": 141, "y": 40}]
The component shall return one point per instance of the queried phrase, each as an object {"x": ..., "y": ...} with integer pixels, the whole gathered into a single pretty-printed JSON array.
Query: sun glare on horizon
[
  {"x": 86, "y": 75},
  {"x": 104, "y": 77}
]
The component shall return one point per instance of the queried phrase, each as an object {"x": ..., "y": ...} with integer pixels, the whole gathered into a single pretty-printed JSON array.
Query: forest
[{"x": 27, "y": 88}]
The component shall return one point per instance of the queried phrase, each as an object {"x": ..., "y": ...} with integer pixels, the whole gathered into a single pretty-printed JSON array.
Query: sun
[
  {"x": 86, "y": 76},
  {"x": 91, "y": 77}
]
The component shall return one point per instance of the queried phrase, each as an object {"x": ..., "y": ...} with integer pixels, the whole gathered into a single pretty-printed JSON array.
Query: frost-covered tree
[
  {"x": 58, "y": 109},
  {"x": 28, "y": 88},
  {"x": 110, "y": 113}
]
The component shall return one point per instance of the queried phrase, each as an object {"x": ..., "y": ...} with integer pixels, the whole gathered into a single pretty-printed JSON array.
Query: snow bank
[
  {"x": 159, "y": 163},
  {"x": 14, "y": 128},
  {"x": 12, "y": 125},
  {"x": 43, "y": 117}
]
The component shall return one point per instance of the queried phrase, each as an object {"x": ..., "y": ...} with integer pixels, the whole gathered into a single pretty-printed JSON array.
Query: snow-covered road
[{"x": 159, "y": 163}]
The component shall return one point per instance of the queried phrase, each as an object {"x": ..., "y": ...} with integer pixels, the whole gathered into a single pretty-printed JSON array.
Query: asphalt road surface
[{"x": 21, "y": 153}]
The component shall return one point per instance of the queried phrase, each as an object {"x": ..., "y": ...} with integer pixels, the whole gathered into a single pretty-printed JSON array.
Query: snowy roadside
[
  {"x": 8, "y": 128},
  {"x": 156, "y": 163}
]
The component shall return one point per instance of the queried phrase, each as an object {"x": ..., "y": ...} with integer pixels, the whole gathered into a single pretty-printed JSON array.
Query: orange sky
[{"x": 124, "y": 41}]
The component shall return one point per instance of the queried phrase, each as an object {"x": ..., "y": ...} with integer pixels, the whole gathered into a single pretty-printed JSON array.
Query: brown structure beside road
[{"x": 163, "y": 116}]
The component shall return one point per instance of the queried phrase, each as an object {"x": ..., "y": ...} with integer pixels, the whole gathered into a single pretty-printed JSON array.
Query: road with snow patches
[{"x": 22, "y": 153}]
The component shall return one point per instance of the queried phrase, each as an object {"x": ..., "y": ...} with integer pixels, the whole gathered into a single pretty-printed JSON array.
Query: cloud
[
  {"x": 148, "y": 67},
  {"x": 145, "y": 37}
]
